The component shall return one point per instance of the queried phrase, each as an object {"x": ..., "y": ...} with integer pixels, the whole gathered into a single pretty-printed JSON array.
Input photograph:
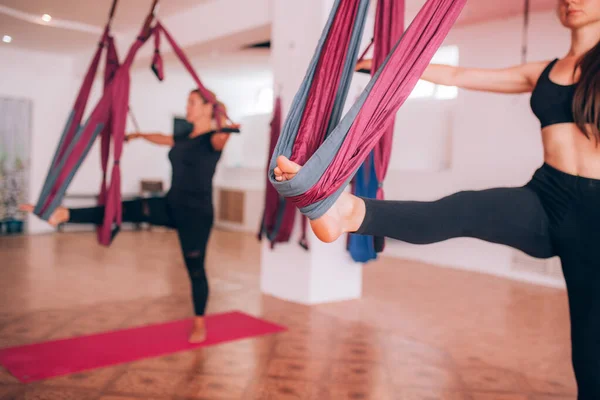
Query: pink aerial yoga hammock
[
  {"x": 157, "y": 67},
  {"x": 108, "y": 118},
  {"x": 368, "y": 182},
  {"x": 279, "y": 215},
  {"x": 329, "y": 149}
]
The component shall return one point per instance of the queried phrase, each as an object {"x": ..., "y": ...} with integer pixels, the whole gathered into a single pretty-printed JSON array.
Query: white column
[{"x": 326, "y": 272}]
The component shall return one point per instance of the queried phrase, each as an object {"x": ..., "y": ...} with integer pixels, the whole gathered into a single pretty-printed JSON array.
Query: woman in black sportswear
[
  {"x": 187, "y": 207},
  {"x": 556, "y": 214}
]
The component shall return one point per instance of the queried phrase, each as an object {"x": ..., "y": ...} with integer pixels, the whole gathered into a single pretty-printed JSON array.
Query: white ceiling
[
  {"x": 130, "y": 14},
  {"x": 95, "y": 12}
]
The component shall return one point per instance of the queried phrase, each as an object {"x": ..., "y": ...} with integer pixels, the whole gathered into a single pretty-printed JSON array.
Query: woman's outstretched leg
[
  {"x": 152, "y": 210},
  {"x": 511, "y": 216}
]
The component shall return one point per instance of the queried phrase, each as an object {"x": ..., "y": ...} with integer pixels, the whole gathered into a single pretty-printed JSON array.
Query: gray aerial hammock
[{"x": 314, "y": 135}]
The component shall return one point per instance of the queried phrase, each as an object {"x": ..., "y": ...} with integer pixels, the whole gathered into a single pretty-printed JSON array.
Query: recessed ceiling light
[
  {"x": 6, "y": 39},
  {"x": 46, "y": 18}
]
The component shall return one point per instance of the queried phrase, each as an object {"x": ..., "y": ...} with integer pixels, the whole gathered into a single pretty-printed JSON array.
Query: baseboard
[
  {"x": 478, "y": 256},
  {"x": 232, "y": 227}
]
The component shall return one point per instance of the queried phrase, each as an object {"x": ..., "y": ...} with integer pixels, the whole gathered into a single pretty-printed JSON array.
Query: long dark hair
[{"x": 586, "y": 103}]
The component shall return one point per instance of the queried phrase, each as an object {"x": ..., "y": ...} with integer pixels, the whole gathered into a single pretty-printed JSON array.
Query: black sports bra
[{"x": 551, "y": 102}]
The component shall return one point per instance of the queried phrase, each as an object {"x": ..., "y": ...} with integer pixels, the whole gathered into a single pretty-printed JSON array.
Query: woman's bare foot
[
  {"x": 59, "y": 216},
  {"x": 198, "y": 334},
  {"x": 346, "y": 214}
]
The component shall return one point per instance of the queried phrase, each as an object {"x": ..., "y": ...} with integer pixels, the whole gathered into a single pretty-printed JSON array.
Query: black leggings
[
  {"x": 193, "y": 227},
  {"x": 555, "y": 214}
]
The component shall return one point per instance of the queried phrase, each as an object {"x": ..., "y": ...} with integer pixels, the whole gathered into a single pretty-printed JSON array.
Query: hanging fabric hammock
[
  {"x": 77, "y": 140},
  {"x": 368, "y": 182},
  {"x": 331, "y": 152},
  {"x": 157, "y": 67},
  {"x": 279, "y": 215},
  {"x": 110, "y": 69}
]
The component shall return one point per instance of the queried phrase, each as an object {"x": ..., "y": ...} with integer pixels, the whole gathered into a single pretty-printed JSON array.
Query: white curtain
[{"x": 15, "y": 136}]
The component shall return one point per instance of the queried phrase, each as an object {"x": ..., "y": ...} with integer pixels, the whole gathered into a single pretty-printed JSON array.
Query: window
[{"x": 445, "y": 55}]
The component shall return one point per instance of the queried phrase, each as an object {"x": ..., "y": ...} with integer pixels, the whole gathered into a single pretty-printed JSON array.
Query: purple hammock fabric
[
  {"x": 157, "y": 66},
  {"x": 327, "y": 168},
  {"x": 112, "y": 65},
  {"x": 279, "y": 215},
  {"x": 389, "y": 26},
  {"x": 71, "y": 128},
  {"x": 108, "y": 118}
]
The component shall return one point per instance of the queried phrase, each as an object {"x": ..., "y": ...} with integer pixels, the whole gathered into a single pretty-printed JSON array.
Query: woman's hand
[
  {"x": 365, "y": 63},
  {"x": 219, "y": 139}
]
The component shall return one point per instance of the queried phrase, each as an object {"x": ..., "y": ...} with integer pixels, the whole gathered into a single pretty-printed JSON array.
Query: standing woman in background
[
  {"x": 187, "y": 207},
  {"x": 556, "y": 214}
]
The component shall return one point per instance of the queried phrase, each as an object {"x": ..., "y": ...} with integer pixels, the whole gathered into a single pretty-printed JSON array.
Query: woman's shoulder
[{"x": 533, "y": 70}]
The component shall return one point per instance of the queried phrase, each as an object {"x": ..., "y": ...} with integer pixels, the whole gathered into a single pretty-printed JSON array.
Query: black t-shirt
[{"x": 193, "y": 164}]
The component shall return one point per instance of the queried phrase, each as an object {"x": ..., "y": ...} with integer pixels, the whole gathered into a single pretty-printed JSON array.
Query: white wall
[{"x": 44, "y": 78}]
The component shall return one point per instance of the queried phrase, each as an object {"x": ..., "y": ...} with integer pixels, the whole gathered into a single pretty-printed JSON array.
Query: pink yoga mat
[{"x": 66, "y": 356}]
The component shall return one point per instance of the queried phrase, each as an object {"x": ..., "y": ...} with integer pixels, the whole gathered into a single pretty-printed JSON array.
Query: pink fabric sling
[{"x": 327, "y": 165}]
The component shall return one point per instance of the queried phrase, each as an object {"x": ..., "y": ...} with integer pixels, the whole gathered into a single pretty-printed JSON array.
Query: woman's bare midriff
[{"x": 568, "y": 150}]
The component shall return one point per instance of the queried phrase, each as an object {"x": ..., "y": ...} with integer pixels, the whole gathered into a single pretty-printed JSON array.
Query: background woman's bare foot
[
  {"x": 346, "y": 215},
  {"x": 198, "y": 334},
  {"x": 59, "y": 216}
]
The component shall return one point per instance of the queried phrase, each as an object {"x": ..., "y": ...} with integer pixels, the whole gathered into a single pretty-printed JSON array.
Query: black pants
[
  {"x": 193, "y": 225},
  {"x": 555, "y": 214}
]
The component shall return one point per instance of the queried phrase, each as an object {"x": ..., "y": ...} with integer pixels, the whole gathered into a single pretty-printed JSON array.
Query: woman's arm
[
  {"x": 518, "y": 79},
  {"x": 219, "y": 139},
  {"x": 156, "y": 138},
  {"x": 365, "y": 63}
]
